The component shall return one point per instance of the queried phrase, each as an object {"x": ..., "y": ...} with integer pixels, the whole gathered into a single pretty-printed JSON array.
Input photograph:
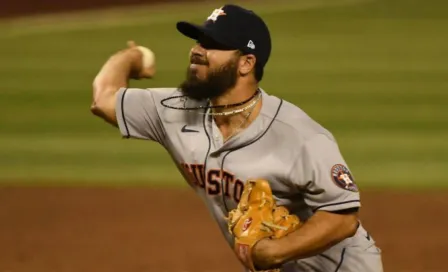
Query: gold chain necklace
[{"x": 240, "y": 126}]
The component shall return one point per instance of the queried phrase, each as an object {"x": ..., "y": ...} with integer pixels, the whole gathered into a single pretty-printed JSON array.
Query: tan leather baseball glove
[{"x": 257, "y": 217}]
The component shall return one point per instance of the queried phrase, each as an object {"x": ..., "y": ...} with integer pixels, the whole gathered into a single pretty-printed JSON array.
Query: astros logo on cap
[{"x": 216, "y": 13}]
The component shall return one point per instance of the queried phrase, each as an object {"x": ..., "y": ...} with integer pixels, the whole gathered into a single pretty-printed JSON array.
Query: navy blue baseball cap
[{"x": 235, "y": 28}]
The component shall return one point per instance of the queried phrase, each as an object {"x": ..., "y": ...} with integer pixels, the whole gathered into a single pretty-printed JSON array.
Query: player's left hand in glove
[{"x": 258, "y": 217}]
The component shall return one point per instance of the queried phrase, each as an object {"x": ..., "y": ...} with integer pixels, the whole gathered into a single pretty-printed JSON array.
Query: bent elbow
[
  {"x": 103, "y": 104},
  {"x": 96, "y": 110},
  {"x": 101, "y": 110},
  {"x": 352, "y": 225},
  {"x": 353, "y": 229},
  {"x": 100, "y": 102},
  {"x": 105, "y": 110}
]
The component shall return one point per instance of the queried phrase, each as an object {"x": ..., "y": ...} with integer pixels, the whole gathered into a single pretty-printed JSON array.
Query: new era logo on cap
[{"x": 251, "y": 45}]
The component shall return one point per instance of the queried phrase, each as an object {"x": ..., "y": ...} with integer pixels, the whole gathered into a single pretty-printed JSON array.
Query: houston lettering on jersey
[{"x": 211, "y": 182}]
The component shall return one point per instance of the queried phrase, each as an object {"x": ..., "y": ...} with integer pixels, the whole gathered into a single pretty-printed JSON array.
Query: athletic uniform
[{"x": 300, "y": 159}]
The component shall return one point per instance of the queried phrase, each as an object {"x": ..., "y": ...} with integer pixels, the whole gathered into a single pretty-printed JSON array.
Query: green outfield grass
[{"x": 373, "y": 72}]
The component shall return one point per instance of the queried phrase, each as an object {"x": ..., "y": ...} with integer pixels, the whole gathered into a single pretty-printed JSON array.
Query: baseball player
[{"x": 222, "y": 129}]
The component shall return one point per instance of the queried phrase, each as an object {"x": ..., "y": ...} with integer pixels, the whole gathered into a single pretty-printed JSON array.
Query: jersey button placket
[{"x": 215, "y": 135}]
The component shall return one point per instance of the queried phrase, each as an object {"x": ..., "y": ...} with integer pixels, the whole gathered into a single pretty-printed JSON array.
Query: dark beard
[{"x": 217, "y": 83}]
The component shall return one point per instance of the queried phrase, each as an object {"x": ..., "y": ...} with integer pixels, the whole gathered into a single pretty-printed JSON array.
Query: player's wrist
[
  {"x": 135, "y": 58},
  {"x": 266, "y": 254}
]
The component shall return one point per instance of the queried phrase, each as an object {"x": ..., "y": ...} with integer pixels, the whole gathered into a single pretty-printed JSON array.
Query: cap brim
[
  {"x": 195, "y": 32},
  {"x": 191, "y": 30}
]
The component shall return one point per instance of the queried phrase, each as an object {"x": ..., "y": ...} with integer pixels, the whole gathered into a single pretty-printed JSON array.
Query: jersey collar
[{"x": 253, "y": 132}]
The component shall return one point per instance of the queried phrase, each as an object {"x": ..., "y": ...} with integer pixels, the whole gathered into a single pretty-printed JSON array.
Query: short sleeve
[
  {"x": 324, "y": 177},
  {"x": 137, "y": 115}
]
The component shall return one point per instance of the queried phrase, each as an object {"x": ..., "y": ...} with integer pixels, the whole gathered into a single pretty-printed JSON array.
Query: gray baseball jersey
[{"x": 300, "y": 159}]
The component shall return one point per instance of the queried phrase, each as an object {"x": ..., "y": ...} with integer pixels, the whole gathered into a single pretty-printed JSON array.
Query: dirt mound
[{"x": 141, "y": 229}]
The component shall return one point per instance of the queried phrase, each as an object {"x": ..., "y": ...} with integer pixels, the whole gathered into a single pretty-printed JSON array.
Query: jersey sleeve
[
  {"x": 137, "y": 115},
  {"x": 324, "y": 177}
]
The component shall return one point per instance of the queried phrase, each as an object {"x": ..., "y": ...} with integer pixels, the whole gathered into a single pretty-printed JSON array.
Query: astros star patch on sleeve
[{"x": 343, "y": 178}]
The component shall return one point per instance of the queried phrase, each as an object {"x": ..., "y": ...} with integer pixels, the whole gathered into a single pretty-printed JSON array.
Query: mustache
[{"x": 194, "y": 59}]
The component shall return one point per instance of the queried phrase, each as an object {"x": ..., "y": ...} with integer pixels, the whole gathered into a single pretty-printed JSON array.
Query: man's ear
[{"x": 247, "y": 64}]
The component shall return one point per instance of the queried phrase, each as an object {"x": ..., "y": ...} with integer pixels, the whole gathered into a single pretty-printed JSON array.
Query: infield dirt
[{"x": 143, "y": 229}]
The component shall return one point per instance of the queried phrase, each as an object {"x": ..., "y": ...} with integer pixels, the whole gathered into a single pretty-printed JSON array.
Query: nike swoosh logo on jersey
[{"x": 185, "y": 129}]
